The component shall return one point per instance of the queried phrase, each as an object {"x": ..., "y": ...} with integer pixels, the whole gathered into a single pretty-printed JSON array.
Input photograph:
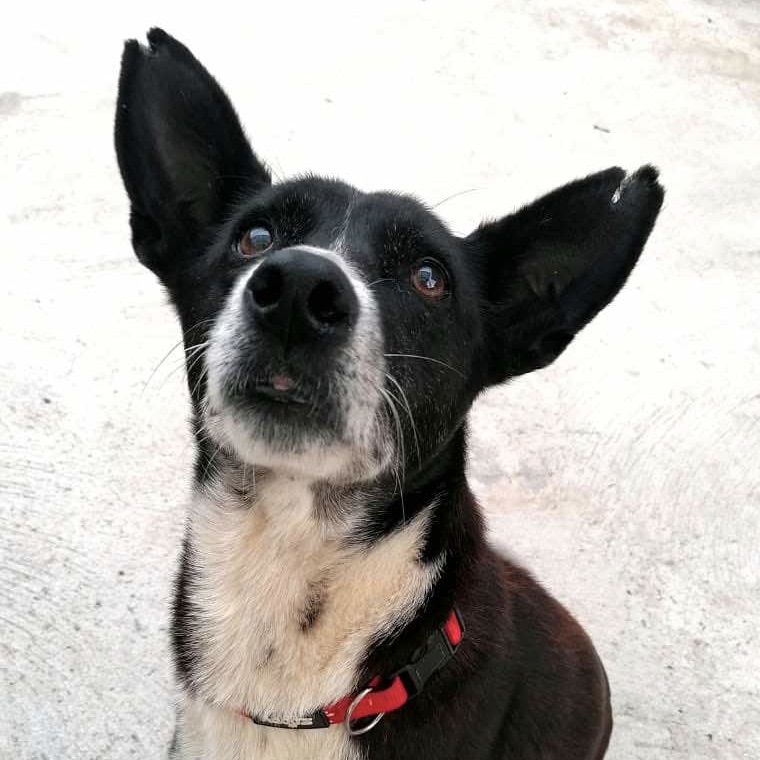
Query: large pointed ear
[
  {"x": 549, "y": 269},
  {"x": 182, "y": 153}
]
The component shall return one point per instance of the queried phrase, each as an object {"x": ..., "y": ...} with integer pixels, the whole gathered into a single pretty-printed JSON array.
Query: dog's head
[{"x": 338, "y": 334}]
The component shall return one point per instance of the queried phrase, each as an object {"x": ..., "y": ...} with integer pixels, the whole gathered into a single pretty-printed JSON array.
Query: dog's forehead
[{"x": 334, "y": 215}]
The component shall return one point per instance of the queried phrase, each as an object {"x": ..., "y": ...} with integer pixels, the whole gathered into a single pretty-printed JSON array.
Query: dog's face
[
  {"x": 339, "y": 319},
  {"x": 337, "y": 334}
]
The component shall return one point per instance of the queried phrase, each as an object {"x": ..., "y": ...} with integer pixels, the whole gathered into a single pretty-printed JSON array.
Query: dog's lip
[{"x": 280, "y": 388}]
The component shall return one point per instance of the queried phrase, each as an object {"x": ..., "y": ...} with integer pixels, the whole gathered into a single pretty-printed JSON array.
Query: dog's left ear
[
  {"x": 548, "y": 269},
  {"x": 183, "y": 156}
]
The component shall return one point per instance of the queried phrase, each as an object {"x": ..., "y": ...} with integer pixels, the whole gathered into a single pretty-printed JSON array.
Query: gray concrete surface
[{"x": 626, "y": 476}]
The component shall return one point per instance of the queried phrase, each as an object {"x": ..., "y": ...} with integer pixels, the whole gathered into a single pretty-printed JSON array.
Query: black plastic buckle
[
  {"x": 316, "y": 720},
  {"x": 437, "y": 652}
]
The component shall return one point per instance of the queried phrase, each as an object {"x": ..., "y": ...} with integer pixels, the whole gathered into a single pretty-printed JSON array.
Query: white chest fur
[{"x": 285, "y": 613}]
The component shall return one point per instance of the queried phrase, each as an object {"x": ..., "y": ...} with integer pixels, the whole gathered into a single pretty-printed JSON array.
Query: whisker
[
  {"x": 193, "y": 361},
  {"x": 425, "y": 358},
  {"x": 169, "y": 375},
  {"x": 455, "y": 195},
  {"x": 401, "y": 458},
  {"x": 408, "y": 410},
  {"x": 382, "y": 279},
  {"x": 397, "y": 420},
  {"x": 171, "y": 350},
  {"x": 315, "y": 397},
  {"x": 401, "y": 498},
  {"x": 279, "y": 175},
  {"x": 196, "y": 348},
  {"x": 197, "y": 356},
  {"x": 211, "y": 462},
  {"x": 203, "y": 374},
  {"x": 158, "y": 366}
]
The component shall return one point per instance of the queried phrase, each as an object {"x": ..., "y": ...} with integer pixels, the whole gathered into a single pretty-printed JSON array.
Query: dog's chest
[{"x": 283, "y": 614}]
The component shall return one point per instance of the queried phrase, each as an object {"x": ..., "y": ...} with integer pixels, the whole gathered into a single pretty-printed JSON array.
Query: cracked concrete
[{"x": 626, "y": 475}]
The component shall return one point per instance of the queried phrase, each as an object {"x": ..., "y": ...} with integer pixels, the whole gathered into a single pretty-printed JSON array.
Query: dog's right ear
[{"x": 182, "y": 153}]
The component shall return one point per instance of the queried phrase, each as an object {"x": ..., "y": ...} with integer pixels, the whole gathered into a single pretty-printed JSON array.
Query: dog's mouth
[
  {"x": 281, "y": 389},
  {"x": 310, "y": 405}
]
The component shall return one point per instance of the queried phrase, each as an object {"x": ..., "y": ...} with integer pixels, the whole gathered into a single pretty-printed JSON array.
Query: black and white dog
[{"x": 337, "y": 598}]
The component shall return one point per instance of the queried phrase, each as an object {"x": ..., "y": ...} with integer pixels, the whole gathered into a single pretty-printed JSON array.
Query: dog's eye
[
  {"x": 429, "y": 278},
  {"x": 255, "y": 241}
]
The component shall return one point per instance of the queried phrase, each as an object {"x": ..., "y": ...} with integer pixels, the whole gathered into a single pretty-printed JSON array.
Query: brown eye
[
  {"x": 255, "y": 241},
  {"x": 429, "y": 279}
]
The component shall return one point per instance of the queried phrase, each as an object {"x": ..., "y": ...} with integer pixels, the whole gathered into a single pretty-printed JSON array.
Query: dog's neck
[
  {"x": 287, "y": 604},
  {"x": 290, "y": 597},
  {"x": 360, "y": 512}
]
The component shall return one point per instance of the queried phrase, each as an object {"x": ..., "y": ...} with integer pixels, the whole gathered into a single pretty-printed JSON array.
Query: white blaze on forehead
[
  {"x": 339, "y": 244},
  {"x": 337, "y": 256},
  {"x": 361, "y": 394}
]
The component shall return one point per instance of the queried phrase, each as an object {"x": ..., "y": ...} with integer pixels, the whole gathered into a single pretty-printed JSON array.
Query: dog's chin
[{"x": 258, "y": 441}]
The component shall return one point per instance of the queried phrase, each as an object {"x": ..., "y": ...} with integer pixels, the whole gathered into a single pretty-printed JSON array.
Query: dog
[{"x": 337, "y": 598}]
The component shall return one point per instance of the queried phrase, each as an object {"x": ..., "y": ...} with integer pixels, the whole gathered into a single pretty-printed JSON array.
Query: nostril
[
  {"x": 327, "y": 304},
  {"x": 266, "y": 286},
  {"x": 295, "y": 296}
]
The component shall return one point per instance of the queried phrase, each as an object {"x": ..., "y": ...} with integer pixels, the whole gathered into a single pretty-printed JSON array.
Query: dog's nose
[{"x": 298, "y": 296}]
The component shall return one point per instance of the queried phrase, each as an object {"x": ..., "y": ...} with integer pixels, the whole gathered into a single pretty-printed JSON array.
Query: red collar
[{"x": 373, "y": 702}]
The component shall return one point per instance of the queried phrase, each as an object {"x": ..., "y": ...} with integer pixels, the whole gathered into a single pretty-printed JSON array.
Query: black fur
[{"x": 527, "y": 683}]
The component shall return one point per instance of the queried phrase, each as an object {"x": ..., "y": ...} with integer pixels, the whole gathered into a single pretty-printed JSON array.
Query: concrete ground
[{"x": 626, "y": 475}]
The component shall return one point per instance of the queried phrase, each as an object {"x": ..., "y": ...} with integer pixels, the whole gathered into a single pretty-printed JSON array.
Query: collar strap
[{"x": 373, "y": 701}]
